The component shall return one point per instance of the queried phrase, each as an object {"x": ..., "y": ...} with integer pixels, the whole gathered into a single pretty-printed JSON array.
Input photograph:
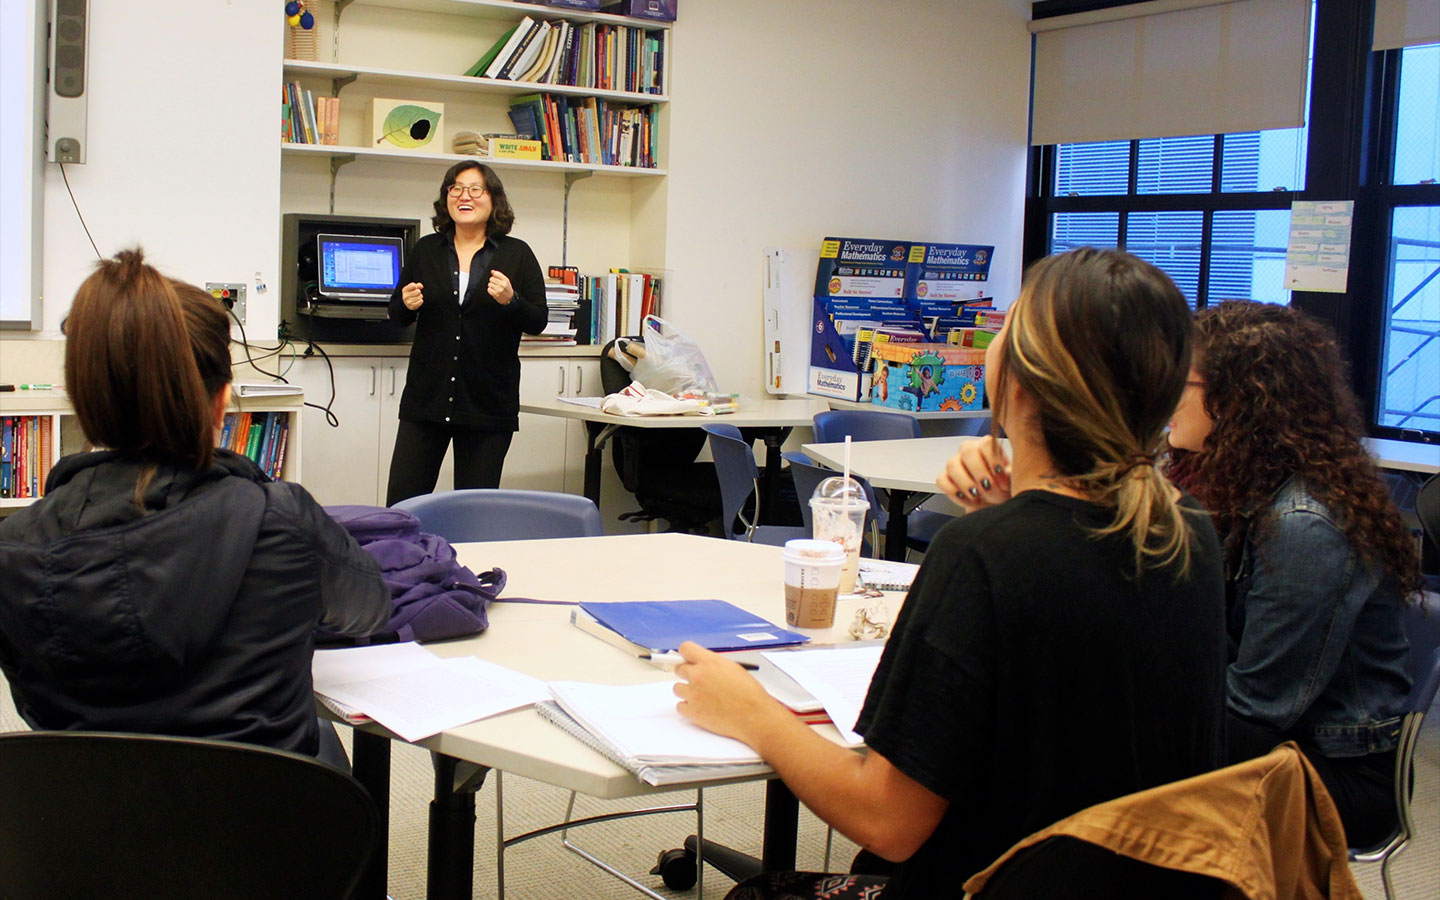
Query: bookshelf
[
  {"x": 68, "y": 438},
  {"x": 482, "y": 102}
]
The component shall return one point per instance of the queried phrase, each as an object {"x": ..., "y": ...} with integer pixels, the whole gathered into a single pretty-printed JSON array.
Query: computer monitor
[{"x": 358, "y": 268}]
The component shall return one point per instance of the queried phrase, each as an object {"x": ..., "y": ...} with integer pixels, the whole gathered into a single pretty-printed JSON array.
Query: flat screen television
[{"x": 358, "y": 268}]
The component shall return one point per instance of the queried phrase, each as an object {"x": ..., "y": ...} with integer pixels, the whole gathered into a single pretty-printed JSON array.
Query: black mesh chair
[
  {"x": 658, "y": 465},
  {"x": 124, "y": 816}
]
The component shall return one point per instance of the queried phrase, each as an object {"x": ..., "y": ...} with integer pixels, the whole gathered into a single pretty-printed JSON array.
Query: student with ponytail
[
  {"x": 1063, "y": 646},
  {"x": 163, "y": 585},
  {"x": 1318, "y": 560}
]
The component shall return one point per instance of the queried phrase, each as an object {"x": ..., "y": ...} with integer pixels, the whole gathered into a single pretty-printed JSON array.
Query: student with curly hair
[
  {"x": 1063, "y": 646},
  {"x": 1267, "y": 436}
]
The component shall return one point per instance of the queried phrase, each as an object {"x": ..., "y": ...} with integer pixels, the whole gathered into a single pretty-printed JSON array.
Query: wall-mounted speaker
[{"x": 65, "y": 111}]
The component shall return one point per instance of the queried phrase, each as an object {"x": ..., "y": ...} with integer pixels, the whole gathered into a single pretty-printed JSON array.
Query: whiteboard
[{"x": 22, "y": 161}]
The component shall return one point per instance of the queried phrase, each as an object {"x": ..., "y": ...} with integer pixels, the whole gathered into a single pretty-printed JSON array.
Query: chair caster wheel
[{"x": 676, "y": 868}]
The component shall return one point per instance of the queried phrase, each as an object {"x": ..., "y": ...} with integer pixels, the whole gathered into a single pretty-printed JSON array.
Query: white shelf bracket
[{"x": 570, "y": 179}]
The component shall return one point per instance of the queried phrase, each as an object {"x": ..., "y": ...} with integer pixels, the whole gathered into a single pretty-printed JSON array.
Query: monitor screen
[{"x": 358, "y": 267}]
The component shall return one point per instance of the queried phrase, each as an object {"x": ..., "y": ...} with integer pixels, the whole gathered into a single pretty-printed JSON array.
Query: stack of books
[{"x": 562, "y": 300}]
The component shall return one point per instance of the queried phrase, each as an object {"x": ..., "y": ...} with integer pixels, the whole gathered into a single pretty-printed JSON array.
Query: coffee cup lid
[{"x": 805, "y": 550}]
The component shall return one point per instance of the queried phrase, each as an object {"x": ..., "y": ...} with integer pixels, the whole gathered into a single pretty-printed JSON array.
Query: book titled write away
[{"x": 661, "y": 626}]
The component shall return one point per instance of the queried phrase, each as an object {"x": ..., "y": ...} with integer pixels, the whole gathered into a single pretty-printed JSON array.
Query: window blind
[
  {"x": 1406, "y": 23},
  {"x": 1170, "y": 68}
]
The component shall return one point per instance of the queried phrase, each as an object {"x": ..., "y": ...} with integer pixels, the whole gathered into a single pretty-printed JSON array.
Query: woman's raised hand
[
  {"x": 413, "y": 295},
  {"x": 499, "y": 287},
  {"x": 978, "y": 475}
]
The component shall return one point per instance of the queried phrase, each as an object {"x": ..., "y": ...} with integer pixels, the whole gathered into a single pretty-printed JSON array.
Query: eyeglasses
[
  {"x": 461, "y": 190},
  {"x": 1193, "y": 383}
]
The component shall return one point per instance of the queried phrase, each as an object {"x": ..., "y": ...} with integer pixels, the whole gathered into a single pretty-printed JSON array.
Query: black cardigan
[{"x": 464, "y": 362}]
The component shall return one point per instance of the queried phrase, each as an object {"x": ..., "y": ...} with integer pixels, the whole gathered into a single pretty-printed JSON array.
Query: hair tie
[{"x": 1136, "y": 464}]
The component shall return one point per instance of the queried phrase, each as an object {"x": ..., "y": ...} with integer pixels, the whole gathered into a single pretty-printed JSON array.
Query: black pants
[
  {"x": 1363, "y": 787},
  {"x": 420, "y": 449}
]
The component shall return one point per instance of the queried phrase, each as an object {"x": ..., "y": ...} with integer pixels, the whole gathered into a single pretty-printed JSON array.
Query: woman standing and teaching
[{"x": 471, "y": 289}]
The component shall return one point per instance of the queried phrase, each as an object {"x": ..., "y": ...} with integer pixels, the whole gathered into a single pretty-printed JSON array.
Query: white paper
[
  {"x": 838, "y": 677},
  {"x": 640, "y": 721},
  {"x": 415, "y": 693},
  {"x": 587, "y": 402},
  {"x": 1317, "y": 257}
]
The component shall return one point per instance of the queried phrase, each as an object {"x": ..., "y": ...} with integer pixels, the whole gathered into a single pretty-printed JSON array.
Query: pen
[
  {"x": 6, "y": 387},
  {"x": 36, "y": 387},
  {"x": 675, "y": 659}
]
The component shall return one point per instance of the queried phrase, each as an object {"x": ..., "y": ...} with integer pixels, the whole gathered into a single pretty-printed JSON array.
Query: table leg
[
  {"x": 450, "y": 866},
  {"x": 774, "y": 439},
  {"x": 371, "y": 767},
  {"x": 895, "y": 527},
  {"x": 782, "y": 822},
  {"x": 593, "y": 455}
]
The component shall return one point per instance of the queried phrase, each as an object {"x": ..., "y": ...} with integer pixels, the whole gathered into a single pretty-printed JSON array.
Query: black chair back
[{"x": 124, "y": 816}]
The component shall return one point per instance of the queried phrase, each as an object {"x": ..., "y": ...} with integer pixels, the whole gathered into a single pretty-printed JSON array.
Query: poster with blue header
[{"x": 859, "y": 289}]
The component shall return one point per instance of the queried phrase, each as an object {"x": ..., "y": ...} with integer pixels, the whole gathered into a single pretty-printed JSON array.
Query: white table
[
  {"x": 540, "y": 641},
  {"x": 777, "y": 417},
  {"x": 914, "y": 414},
  {"x": 905, "y": 467},
  {"x": 1405, "y": 455}
]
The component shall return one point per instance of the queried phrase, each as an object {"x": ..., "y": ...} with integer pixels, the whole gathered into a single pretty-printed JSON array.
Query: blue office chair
[
  {"x": 739, "y": 479},
  {"x": 498, "y": 514},
  {"x": 1422, "y": 628},
  {"x": 90, "y": 814},
  {"x": 807, "y": 476},
  {"x": 864, "y": 425}
]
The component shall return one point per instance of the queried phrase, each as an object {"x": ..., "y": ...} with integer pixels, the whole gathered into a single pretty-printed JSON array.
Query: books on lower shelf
[
  {"x": 262, "y": 436},
  {"x": 643, "y": 627},
  {"x": 27, "y": 451},
  {"x": 307, "y": 119},
  {"x": 588, "y": 129},
  {"x": 619, "y": 301}
]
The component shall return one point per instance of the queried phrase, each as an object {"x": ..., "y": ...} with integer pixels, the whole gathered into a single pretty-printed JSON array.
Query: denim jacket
[{"x": 1317, "y": 638}]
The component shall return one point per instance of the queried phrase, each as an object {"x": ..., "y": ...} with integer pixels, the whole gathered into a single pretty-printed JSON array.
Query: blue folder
[{"x": 663, "y": 625}]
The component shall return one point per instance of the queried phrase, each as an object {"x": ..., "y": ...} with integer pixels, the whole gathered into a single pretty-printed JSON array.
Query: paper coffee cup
[{"x": 812, "y": 582}]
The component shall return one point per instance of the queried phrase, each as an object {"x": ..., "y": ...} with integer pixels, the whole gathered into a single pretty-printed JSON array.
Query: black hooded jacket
[{"x": 192, "y": 616}]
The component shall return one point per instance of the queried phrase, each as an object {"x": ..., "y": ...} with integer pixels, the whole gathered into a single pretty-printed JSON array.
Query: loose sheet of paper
[
  {"x": 419, "y": 694},
  {"x": 838, "y": 677},
  {"x": 640, "y": 721},
  {"x": 588, "y": 402},
  {"x": 1317, "y": 257}
]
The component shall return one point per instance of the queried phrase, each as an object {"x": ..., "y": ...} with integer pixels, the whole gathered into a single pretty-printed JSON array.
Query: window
[
  {"x": 1409, "y": 371},
  {"x": 1212, "y": 211}
]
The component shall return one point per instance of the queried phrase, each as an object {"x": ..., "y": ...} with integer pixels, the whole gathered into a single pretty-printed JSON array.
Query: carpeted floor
[{"x": 543, "y": 869}]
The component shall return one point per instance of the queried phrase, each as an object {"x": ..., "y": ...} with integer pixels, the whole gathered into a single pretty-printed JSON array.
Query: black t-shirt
[{"x": 1032, "y": 674}]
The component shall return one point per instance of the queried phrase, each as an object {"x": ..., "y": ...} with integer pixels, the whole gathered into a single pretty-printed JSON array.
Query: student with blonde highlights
[
  {"x": 1318, "y": 560},
  {"x": 163, "y": 585},
  {"x": 1060, "y": 648}
]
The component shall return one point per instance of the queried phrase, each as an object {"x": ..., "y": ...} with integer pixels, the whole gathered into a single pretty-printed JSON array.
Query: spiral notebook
[{"x": 656, "y": 775}]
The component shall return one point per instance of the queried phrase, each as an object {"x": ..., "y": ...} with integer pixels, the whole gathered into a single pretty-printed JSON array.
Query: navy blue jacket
[{"x": 191, "y": 616}]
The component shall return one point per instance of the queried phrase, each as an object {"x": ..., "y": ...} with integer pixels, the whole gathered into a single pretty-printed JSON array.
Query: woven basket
[{"x": 311, "y": 44}]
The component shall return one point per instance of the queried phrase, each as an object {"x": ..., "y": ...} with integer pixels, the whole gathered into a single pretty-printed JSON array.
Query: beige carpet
[{"x": 542, "y": 869}]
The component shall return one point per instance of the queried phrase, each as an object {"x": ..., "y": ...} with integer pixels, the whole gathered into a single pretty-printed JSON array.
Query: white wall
[
  {"x": 789, "y": 122},
  {"x": 183, "y": 154},
  {"x": 792, "y": 121}
]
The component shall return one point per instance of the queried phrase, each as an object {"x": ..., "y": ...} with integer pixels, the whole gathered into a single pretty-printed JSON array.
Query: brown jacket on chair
[{"x": 1266, "y": 827}]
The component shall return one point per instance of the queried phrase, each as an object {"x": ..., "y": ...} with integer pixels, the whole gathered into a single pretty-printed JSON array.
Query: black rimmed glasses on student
[{"x": 462, "y": 190}]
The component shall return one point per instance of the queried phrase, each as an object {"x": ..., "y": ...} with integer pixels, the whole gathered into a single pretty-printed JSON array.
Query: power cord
[{"x": 81, "y": 216}]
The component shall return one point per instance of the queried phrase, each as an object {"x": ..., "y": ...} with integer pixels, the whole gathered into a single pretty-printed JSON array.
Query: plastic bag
[{"x": 669, "y": 361}]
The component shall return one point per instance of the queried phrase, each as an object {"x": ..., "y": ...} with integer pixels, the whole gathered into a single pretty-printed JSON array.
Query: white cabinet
[
  {"x": 351, "y": 459},
  {"x": 548, "y": 453}
]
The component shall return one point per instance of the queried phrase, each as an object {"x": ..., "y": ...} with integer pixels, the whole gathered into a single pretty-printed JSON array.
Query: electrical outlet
[{"x": 230, "y": 293}]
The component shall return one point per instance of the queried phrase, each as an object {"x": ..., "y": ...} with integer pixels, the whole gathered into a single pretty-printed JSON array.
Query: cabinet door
[
  {"x": 340, "y": 461},
  {"x": 582, "y": 379},
  {"x": 537, "y": 454},
  {"x": 393, "y": 371}
]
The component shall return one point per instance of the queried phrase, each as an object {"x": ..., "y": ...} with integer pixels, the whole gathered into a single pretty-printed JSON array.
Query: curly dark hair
[
  {"x": 502, "y": 216},
  {"x": 1277, "y": 390}
]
